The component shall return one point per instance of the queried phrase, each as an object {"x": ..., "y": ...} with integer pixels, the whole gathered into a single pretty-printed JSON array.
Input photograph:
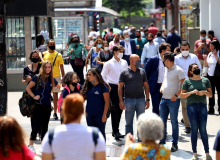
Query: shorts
[{"x": 55, "y": 89}]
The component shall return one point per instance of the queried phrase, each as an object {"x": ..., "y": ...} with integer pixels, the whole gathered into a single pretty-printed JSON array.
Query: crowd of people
[{"x": 125, "y": 70}]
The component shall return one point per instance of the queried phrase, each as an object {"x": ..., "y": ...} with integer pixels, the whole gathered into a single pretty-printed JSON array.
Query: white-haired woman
[{"x": 150, "y": 128}]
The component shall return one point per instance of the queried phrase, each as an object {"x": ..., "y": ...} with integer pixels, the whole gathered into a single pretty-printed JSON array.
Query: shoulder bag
[
  {"x": 79, "y": 61},
  {"x": 217, "y": 68}
]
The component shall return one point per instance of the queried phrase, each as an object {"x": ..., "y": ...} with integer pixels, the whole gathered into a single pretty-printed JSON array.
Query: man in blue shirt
[
  {"x": 159, "y": 38},
  {"x": 173, "y": 39}
]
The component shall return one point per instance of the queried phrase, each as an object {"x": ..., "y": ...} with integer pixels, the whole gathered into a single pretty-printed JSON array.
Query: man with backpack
[{"x": 110, "y": 36}]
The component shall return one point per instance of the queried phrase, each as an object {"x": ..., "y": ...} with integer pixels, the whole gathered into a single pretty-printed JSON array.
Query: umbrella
[{"x": 115, "y": 31}]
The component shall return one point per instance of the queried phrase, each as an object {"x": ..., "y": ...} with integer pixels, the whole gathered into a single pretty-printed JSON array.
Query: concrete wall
[{"x": 14, "y": 82}]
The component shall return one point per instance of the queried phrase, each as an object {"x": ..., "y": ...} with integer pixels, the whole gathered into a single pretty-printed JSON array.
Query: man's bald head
[
  {"x": 133, "y": 59},
  {"x": 134, "y": 56}
]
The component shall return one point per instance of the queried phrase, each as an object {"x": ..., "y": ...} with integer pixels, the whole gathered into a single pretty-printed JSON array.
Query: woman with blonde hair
[
  {"x": 42, "y": 85},
  {"x": 73, "y": 140},
  {"x": 12, "y": 141}
]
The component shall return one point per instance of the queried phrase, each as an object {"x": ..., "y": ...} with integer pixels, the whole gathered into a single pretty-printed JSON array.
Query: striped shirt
[{"x": 73, "y": 141}]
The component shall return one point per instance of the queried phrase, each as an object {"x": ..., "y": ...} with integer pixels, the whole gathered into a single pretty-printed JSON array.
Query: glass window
[
  {"x": 44, "y": 28},
  {"x": 59, "y": 33},
  {"x": 15, "y": 43}
]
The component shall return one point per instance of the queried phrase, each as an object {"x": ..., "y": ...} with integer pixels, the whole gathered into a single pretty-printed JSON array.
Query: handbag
[
  {"x": 217, "y": 69},
  {"x": 79, "y": 61}
]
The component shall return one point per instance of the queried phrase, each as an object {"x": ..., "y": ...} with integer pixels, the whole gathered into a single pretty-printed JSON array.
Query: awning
[{"x": 93, "y": 9}]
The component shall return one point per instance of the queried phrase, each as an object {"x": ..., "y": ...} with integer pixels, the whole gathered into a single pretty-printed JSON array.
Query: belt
[
  {"x": 113, "y": 84},
  {"x": 159, "y": 83}
]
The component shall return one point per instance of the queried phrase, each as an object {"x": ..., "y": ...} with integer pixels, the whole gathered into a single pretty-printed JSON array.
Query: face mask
[
  {"x": 202, "y": 38},
  {"x": 75, "y": 41},
  {"x": 35, "y": 60},
  {"x": 120, "y": 55},
  {"x": 127, "y": 39},
  {"x": 138, "y": 36},
  {"x": 150, "y": 40},
  {"x": 52, "y": 47},
  {"x": 73, "y": 84},
  {"x": 137, "y": 64},
  {"x": 106, "y": 48},
  {"x": 99, "y": 46},
  {"x": 93, "y": 81},
  {"x": 185, "y": 53},
  {"x": 196, "y": 71}
]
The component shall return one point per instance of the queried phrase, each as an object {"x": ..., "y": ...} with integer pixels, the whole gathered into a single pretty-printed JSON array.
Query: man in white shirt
[
  {"x": 111, "y": 73},
  {"x": 92, "y": 33},
  {"x": 155, "y": 73},
  {"x": 150, "y": 49},
  {"x": 184, "y": 60}
]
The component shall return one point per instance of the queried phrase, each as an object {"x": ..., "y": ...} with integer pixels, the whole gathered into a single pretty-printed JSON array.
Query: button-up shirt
[
  {"x": 112, "y": 70},
  {"x": 161, "y": 70},
  {"x": 211, "y": 60},
  {"x": 184, "y": 63},
  {"x": 149, "y": 51},
  {"x": 128, "y": 50},
  {"x": 159, "y": 40}
]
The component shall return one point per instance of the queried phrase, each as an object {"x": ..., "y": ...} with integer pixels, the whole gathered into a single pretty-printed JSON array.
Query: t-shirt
[
  {"x": 43, "y": 90},
  {"x": 134, "y": 82},
  {"x": 217, "y": 142},
  {"x": 190, "y": 85},
  {"x": 28, "y": 72},
  {"x": 95, "y": 100},
  {"x": 73, "y": 141},
  {"x": 51, "y": 57},
  {"x": 140, "y": 151},
  {"x": 77, "y": 50},
  {"x": 28, "y": 154},
  {"x": 66, "y": 92},
  {"x": 202, "y": 51},
  {"x": 141, "y": 44}
]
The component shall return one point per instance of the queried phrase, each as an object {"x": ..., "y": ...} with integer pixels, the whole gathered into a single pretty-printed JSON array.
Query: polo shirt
[
  {"x": 134, "y": 82},
  {"x": 202, "y": 51},
  {"x": 171, "y": 84}
]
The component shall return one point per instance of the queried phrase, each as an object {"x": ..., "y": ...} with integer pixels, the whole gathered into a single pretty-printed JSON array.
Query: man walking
[
  {"x": 152, "y": 29},
  {"x": 183, "y": 60},
  {"x": 130, "y": 47},
  {"x": 132, "y": 34},
  {"x": 159, "y": 38},
  {"x": 115, "y": 42},
  {"x": 56, "y": 60},
  {"x": 155, "y": 73},
  {"x": 169, "y": 104},
  {"x": 211, "y": 35},
  {"x": 135, "y": 81},
  {"x": 173, "y": 38},
  {"x": 110, "y": 73},
  {"x": 140, "y": 42}
]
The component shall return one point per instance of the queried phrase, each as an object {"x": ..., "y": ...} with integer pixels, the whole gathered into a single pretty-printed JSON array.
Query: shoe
[
  {"x": 174, "y": 148},
  {"x": 208, "y": 157},
  {"x": 182, "y": 120},
  {"x": 187, "y": 130},
  {"x": 195, "y": 157},
  {"x": 31, "y": 147},
  {"x": 117, "y": 135},
  {"x": 55, "y": 116},
  {"x": 211, "y": 111}
]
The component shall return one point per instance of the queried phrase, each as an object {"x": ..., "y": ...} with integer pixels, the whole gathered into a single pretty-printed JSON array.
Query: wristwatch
[
  {"x": 176, "y": 95},
  {"x": 148, "y": 99}
]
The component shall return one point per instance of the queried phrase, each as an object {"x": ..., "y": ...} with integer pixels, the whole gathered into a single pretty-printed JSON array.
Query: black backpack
[{"x": 110, "y": 37}]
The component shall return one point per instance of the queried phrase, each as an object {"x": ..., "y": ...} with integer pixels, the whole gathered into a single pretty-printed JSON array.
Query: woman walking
[
  {"x": 195, "y": 89},
  {"x": 40, "y": 43},
  {"x": 75, "y": 49},
  {"x": 42, "y": 85},
  {"x": 97, "y": 93}
]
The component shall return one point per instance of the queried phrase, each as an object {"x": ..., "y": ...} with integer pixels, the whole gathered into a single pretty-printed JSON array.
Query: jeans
[
  {"x": 96, "y": 121},
  {"x": 78, "y": 70},
  {"x": 166, "y": 107},
  {"x": 197, "y": 113},
  {"x": 132, "y": 105},
  {"x": 40, "y": 121}
]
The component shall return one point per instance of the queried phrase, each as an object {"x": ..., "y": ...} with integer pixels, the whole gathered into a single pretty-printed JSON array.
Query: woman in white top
[
  {"x": 210, "y": 61},
  {"x": 73, "y": 140},
  {"x": 40, "y": 43}
]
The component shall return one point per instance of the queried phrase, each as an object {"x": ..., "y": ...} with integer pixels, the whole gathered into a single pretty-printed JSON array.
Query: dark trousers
[
  {"x": 78, "y": 70},
  {"x": 215, "y": 83},
  {"x": 127, "y": 58},
  {"x": 156, "y": 97},
  {"x": 96, "y": 121},
  {"x": 40, "y": 121},
  {"x": 116, "y": 113}
]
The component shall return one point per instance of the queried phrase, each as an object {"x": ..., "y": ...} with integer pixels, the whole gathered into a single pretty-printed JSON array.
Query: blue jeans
[
  {"x": 166, "y": 107},
  {"x": 96, "y": 121},
  {"x": 132, "y": 105},
  {"x": 197, "y": 113}
]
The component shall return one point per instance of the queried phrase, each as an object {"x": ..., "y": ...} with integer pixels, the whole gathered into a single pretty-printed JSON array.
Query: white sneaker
[{"x": 31, "y": 147}]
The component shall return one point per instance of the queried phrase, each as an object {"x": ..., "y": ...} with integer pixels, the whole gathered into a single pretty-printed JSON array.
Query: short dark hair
[
  {"x": 159, "y": 34},
  {"x": 163, "y": 46},
  {"x": 152, "y": 24},
  {"x": 211, "y": 32},
  {"x": 169, "y": 56},
  {"x": 185, "y": 43},
  {"x": 117, "y": 47},
  {"x": 50, "y": 41},
  {"x": 177, "y": 49},
  {"x": 146, "y": 30},
  {"x": 105, "y": 42},
  {"x": 203, "y": 32},
  {"x": 111, "y": 29},
  {"x": 138, "y": 31},
  {"x": 34, "y": 51},
  {"x": 190, "y": 69},
  {"x": 67, "y": 79},
  {"x": 150, "y": 34},
  {"x": 216, "y": 44}
]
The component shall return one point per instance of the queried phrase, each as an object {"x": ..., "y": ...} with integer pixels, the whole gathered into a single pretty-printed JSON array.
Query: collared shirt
[
  {"x": 211, "y": 60},
  {"x": 172, "y": 83},
  {"x": 112, "y": 70},
  {"x": 128, "y": 50},
  {"x": 149, "y": 51},
  {"x": 161, "y": 70},
  {"x": 184, "y": 63},
  {"x": 159, "y": 40}
]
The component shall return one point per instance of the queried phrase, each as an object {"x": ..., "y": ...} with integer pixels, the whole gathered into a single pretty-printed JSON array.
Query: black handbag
[{"x": 217, "y": 69}]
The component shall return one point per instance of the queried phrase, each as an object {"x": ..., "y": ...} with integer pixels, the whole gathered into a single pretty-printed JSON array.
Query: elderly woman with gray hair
[{"x": 150, "y": 128}]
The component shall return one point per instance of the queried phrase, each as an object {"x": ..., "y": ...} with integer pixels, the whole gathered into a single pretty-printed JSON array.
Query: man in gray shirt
[
  {"x": 134, "y": 81},
  {"x": 170, "y": 102}
]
